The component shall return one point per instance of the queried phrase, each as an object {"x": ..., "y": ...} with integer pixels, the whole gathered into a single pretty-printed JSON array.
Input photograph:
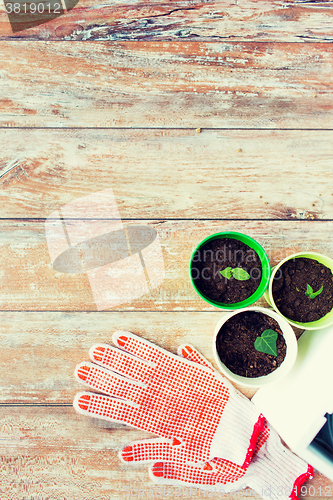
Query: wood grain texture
[
  {"x": 29, "y": 282},
  {"x": 174, "y": 66},
  {"x": 223, "y": 174},
  {"x": 170, "y": 85},
  {"x": 50, "y": 345},
  {"x": 219, "y": 20},
  {"x": 54, "y": 454},
  {"x": 50, "y": 452}
]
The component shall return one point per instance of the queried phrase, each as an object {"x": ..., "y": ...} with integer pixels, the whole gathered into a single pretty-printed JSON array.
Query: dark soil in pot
[
  {"x": 291, "y": 292},
  {"x": 225, "y": 254},
  {"x": 235, "y": 344}
]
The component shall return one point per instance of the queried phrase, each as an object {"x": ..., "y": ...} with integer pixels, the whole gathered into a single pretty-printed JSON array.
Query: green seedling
[
  {"x": 310, "y": 293},
  {"x": 267, "y": 342},
  {"x": 227, "y": 273},
  {"x": 238, "y": 273}
]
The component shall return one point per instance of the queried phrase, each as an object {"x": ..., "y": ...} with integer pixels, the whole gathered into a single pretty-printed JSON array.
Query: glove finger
[
  {"x": 150, "y": 450},
  {"x": 201, "y": 475},
  {"x": 112, "y": 409},
  {"x": 105, "y": 408},
  {"x": 121, "y": 362},
  {"x": 170, "y": 454},
  {"x": 171, "y": 473},
  {"x": 141, "y": 348},
  {"x": 109, "y": 383},
  {"x": 156, "y": 356},
  {"x": 189, "y": 352}
]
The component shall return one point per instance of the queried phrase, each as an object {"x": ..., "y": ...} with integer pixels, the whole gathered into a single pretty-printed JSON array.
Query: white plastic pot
[{"x": 281, "y": 371}]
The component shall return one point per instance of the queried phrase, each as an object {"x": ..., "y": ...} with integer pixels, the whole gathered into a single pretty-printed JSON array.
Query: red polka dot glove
[
  {"x": 197, "y": 412},
  {"x": 274, "y": 472}
]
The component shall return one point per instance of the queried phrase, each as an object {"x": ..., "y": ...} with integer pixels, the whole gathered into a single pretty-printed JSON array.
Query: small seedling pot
[
  {"x": 265, "y": 276},
  {"x": 278, "y": 373},
  {"x": 323, "y": 322}
]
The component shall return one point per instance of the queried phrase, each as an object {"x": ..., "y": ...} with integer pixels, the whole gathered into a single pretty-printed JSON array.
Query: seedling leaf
[
  {"x": 240, "y": 274},
  {"x": 267, "y": 342},
  {"x": 310, "y": 293},
  {"x": 227, "y": 273}
]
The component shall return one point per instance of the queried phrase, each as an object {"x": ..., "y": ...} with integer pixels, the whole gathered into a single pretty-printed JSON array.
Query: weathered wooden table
[{"x": 111, "y": 96}]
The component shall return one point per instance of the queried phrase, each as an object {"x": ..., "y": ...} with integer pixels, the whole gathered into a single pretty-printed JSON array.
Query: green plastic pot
[
  {"x": 323, "y": 322},
  {"x": 266, "y": 270}
]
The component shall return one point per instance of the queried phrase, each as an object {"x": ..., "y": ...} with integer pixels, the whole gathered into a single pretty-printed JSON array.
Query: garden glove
[
  {"x": 274, "y": 472},
  {"x": 198, "y": 413}
]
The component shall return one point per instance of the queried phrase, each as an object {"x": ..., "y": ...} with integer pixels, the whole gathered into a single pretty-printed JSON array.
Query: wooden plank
[
  {"x": 50, "y": 344},
  {"x": 51, "y": 452},
  {"x": 197, "y": 20},
  {"x": 152, "y": 84},
  {"x": 54, "y": 454},
  {"x": 223, "y": 174},
  {"x": 29, "y": 282},
  {"x": 48, "y": 453}
]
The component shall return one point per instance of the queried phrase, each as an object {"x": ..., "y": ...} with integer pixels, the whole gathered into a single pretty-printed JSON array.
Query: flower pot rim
[
  {"x": 278, "y": 373},
  {"x": 323, "y": 322},
  {"x": 266, "y": 269}
]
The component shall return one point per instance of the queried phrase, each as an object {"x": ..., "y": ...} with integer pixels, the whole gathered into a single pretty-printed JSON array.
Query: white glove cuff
[
  {"x": 237, "y": 433},
  {"x": 276, "y": 473}
]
